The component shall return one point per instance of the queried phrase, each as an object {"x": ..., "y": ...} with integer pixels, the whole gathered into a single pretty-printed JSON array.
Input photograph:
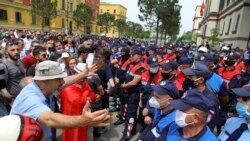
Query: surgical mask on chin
[
  {"x": 154, "y": 70},
  {"x": 154, "y": 103},
  {"x": 180, "y": 118},
  {"x": 242, "y": 110}
]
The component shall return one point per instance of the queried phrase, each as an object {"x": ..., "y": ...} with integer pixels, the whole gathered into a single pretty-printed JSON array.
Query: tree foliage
[
  {"x": 106, "y": 21},
  {"x": 164, "y": 13},
  {"x": 186, "y": 36},
  {"x": 83, "y": 16},
  {"x": 214, "y": 36},
  {"x": 46, "y": 9},
  {"x": 120, "y": 25},
  {"x": 135, "y": 30}
]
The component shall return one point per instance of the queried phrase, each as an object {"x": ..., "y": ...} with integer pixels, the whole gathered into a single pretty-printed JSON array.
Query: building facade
[
  {"x": 119, "y": 11},
  {"x": 196, "y": 23},
  {"x": 15, "y": 14},
  {"x": 231, "y": 17}
]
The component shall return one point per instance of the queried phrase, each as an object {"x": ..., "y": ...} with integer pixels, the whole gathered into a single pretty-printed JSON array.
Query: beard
[{"x": 15, "y": 58}]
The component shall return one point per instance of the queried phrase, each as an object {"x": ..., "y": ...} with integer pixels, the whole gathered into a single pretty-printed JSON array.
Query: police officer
[
  {"x": 192, "y": 114},
  {"x": 164, "y": 113},
  {"x": 131, "y": 87},
  {"x": 198, "y": 74},
  {"x": 217, "y": 85},
  {"x": 237, "y": 128},
  {"x": 170, "y": 53},
  {"x": 124, "y": 64},
  {"x": 152, "y": 76}
]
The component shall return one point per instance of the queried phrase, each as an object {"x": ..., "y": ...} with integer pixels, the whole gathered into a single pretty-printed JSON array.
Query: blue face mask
[{"x": 242, "y": 110}]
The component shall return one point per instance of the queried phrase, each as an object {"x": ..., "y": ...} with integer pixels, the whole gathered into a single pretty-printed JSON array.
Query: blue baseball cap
[
  {"x": 194, "y": 99},
  {"x": 185, "y": 60},
  {"x": 242, "y": 92},
  {"x": 136, "y": 51},
  {"x": 205, "y": 58},
  {"x": 152, "y": 47},
  {"x": 167, "y": 88},
  {"x": 197, "y": 69},
  {"x": 152, "y": 61},
  {"x": 170, "y": 64}
]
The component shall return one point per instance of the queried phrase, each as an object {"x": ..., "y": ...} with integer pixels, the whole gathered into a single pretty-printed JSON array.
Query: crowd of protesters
[{"x": 179, "y": 91}]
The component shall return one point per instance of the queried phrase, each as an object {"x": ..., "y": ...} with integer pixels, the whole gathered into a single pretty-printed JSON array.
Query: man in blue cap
[
  {"x": 131, "y": 88},
  {"x": 238, "y": 128},
  {"x": 197, "y": 74},
  {"x": 150, "y": 77},
  {"x": 192, "y": 114},
  {"x": 217, "y": 85},
  {"x": 164, "y": 113}
]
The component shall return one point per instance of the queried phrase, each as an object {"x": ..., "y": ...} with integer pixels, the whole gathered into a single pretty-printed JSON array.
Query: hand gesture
[
  {"x": 148, "y": 120},
  {"x": 94, "y": 119}
]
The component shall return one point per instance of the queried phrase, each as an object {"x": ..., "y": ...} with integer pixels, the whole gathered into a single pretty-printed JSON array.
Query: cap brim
[
  {"x": 154, "y": 65},
  {"x": 242, "y": 92},
  {"x": 188, "y": 71},
  {"x": 64, "y": 74},
  {"x": 158, "y": 89},
  {"x": 180, "y": 105},
  {"x": 204, "y": 62}
]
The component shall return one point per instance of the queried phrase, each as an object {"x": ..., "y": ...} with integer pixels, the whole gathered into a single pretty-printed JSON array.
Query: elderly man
[
  {"x": 192, "y": 114},
  {"x": 164, "y": 113},
  {"x": 237, "y": 128},
  {"x": 33, "y": 100}
]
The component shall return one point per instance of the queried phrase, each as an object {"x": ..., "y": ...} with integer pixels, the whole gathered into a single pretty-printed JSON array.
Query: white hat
[
  {"x": 80, "y": 67},
  {"x": 203, "y": 49},
  {"x": 47, "y": 70},
  {"x": 65, "y": 55}
]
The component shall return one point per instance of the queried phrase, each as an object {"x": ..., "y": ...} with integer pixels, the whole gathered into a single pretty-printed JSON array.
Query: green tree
[
  {"x": 186, "y": 36},
  {"x": 106, "y": 21},
  {"x": 45, "y": 9},
  {"x": 133, "y": 30},
  {"x": 164, "y": 13},
  {"x": 214, "y": 36},
  {"x": 121, "y": 25},
  {"x": 83, "y": 16}
]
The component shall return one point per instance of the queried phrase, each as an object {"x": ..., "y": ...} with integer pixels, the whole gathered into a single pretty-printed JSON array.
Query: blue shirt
[
  {"x": 175, "y": 134},
  {"x": 231, "y": 125},
  {"x": 31, "y": 102},
  {"x": 217, "y": 84}
]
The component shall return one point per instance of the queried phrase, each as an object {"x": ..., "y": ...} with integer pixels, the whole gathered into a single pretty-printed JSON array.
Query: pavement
[{"x": 113, "y": 133}]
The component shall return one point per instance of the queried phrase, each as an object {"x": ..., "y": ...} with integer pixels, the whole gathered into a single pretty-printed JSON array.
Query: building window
[
  {"x": 63, "y": 4},
  {"x": 46, "y": 21},
  {"x": 223, "y": 28},
  {"x": 229, "y": 25},
  {"x": 63, "y": 24},
  {"x": 237, "y": 24},
  {"x": 228, "y": 1},
  {"x": 114, "y": 11},
  {"x": 3, "y": 15},
  {"x": 18, "y": 17},
  {"x": 222, "y": 3},
  {"x": 33, "y": 19},
  {"x": 71, "y": 6}
]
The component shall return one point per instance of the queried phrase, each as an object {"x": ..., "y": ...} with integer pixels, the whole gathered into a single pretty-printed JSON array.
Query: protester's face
[
  {"x": 21, "y": 44},
  {"x": 33, "y": 46},
  {"x": 151, "y": 52},
  {"x": 54, "y": 85},
  {"x": 72, "y": 64},
  {"x": 42, "y": 56},
  {"x": 13, "y": 52}
]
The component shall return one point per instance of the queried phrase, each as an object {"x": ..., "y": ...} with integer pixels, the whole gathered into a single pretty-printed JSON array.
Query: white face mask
[
  {"x": 180, "y": 118},
  {"x": 154, "y": 103},
  {"x": 154, "y": 70}
]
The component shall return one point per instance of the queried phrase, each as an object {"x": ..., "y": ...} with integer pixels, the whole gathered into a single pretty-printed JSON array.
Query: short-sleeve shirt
[
  {"x": 15, "y": 75},
  {"x": 31, "y": 102},
  {"x": 105, "y": 74},
  {"x": 231, "y": 125}
]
